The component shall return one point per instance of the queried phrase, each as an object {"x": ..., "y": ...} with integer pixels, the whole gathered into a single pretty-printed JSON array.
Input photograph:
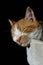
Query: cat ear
[
  {"x": 30, "y": 14},
  {"x": 11, "y": 22}
]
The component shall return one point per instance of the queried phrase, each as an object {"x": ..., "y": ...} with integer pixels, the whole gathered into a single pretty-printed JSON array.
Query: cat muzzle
[{"x": 23, "y": 40}]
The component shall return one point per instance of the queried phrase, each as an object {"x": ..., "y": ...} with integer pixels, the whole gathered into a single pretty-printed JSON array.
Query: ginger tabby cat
[{"x": 26, "y": 29}]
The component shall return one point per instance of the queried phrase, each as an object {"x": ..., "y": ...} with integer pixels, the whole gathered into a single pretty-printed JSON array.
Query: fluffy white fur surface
[{"x": 35, "y": 52}]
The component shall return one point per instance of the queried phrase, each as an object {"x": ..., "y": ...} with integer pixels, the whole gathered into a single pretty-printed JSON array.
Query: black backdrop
[{"x": 16, "y": 10}]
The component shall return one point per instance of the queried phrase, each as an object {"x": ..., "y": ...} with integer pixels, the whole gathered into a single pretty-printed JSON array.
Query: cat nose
[{"x": 19, "y": 39}]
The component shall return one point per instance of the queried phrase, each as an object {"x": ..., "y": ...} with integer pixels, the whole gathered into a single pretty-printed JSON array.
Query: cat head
[{"x": 25, "y": 29}]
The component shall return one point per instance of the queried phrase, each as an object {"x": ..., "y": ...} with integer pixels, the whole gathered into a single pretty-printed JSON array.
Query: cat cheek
[{"x": 14, "y": 38}]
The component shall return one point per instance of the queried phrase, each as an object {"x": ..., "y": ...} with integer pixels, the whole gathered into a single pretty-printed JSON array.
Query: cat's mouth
[
  {"x": 25, "y": 44},
  {"x": 23, "y": 41}
]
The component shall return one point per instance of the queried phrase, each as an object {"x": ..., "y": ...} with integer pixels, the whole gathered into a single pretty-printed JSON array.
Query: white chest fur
[{"x": 35, "y": 53}]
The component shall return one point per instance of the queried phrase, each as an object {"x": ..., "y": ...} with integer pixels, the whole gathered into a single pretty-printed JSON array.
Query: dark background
[{"x": 16, "y": 10}]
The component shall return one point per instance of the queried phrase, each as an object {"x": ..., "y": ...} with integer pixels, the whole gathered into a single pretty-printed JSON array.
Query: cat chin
[{"x": 22, "y": 44}]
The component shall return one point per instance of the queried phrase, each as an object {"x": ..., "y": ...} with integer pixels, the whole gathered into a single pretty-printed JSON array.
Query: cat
[
  {"x": 25, "y": 29},
  {"x": 28, "y": 31}
]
